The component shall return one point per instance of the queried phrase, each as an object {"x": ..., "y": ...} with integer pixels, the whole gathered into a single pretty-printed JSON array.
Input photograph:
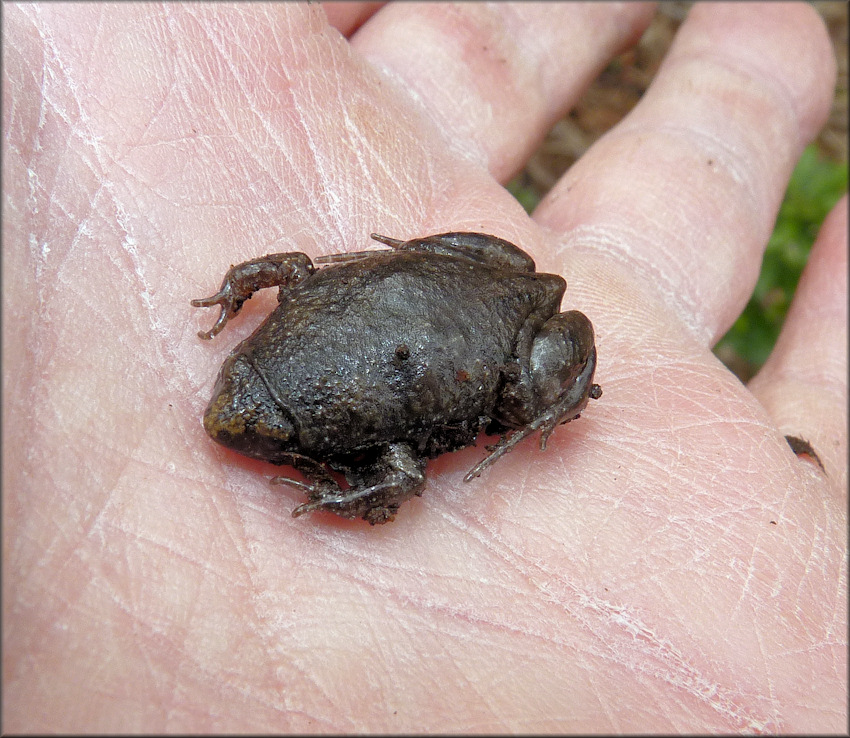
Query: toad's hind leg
[
  {"x": 478, "y": 247},
  {"x": 399, "y": 475},
  {"x": 481, "y": 248}
]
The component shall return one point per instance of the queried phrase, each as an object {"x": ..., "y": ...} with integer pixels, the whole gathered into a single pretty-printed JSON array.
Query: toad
[{"x": 383, "y": 359}]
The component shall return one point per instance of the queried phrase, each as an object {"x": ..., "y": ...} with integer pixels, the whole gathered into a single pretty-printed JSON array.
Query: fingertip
[{"x": 750, "y": 32}]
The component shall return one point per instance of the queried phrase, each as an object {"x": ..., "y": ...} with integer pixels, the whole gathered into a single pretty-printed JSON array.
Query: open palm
[{"x": 666, "y": 564}]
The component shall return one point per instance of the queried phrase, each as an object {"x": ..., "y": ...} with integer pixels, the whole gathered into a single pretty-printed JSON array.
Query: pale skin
[{"x": 667, "y": 564}]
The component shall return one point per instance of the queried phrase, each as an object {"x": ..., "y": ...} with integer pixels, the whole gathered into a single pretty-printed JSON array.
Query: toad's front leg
[
  {"x": 400, "y": 476},
  {"x": 243, "y": 280}
]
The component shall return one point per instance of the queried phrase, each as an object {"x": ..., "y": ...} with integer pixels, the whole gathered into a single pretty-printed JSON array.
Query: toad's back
[{"x": 393, "y": 347}]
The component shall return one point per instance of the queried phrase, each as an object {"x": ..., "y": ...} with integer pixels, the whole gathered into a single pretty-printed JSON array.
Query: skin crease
[{"x": 666, "y": 565}]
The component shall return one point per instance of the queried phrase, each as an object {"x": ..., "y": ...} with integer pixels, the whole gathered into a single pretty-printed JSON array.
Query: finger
[
  {"x": 494, "y": 77},
  {"x": 803, "y": 384},
  {"x": 686, "y": 189},
  {"x": 347, "y": 17}
]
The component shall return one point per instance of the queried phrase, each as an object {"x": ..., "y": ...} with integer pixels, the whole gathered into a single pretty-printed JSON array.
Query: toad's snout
[{"x": 243, "y": 415}]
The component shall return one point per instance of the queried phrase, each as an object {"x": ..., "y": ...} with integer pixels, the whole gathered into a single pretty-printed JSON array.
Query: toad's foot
[{"x": 401, "y": 476}]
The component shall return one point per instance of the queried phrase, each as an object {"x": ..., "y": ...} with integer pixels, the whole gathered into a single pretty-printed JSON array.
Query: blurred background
[{"x": 818, "y": 181}]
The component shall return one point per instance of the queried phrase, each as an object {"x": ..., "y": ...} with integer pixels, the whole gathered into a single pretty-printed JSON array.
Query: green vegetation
[{"x": 526, "y": 195}]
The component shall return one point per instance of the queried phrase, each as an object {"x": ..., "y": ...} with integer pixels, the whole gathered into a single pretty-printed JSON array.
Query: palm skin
[{"x": 667, "y": 564}]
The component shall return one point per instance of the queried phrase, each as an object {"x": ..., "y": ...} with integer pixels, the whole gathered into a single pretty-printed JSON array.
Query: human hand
[{"x": 666, "y": 565}]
